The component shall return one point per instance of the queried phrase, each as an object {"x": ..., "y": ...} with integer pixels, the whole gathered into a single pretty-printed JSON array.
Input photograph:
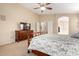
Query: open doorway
[{"x": 63, "y": 25}]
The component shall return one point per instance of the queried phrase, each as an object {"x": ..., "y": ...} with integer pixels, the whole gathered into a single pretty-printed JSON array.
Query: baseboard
[{"x": 6, "y": 42}]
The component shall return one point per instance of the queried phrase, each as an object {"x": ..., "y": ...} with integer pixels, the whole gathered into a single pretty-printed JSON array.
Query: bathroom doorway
[{"x": 63, "y": 25}]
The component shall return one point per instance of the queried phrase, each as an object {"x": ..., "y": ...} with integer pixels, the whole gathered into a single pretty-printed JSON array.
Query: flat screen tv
[{"x": 25, "y": 26}]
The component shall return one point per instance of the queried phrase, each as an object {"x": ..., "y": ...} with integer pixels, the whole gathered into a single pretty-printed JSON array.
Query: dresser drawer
[{"x": 23, "y": 35}]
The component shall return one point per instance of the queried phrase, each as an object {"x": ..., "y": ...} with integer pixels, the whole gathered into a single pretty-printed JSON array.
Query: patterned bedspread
[{"x": 56, "y": 45}]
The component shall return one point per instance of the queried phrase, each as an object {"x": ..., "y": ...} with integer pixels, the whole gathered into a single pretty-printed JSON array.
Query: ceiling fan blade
[
  {"x": 49, "y": 8},
  {"x": 39, "y": 3},
  {"x": 37, "y": 8},
  {"x": 48, "y": 3}
]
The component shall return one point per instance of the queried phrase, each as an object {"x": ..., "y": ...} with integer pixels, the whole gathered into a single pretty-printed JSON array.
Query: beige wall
[
  {"x": 73, "y": 21},
  {"x": 14, "y": 14}
]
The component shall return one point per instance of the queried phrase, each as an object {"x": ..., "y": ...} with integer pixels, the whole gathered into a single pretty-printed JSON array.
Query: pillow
[{"x": 75, "y": 35}]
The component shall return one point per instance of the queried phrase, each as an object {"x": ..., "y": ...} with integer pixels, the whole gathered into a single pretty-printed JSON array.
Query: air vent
[{"x": 2, "y": 17}]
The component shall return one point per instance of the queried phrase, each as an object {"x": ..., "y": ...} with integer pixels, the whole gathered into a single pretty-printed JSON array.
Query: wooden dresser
[{"x": 23, "y": 35}]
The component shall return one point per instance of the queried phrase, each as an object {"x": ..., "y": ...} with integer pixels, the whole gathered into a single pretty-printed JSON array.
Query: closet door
[
  {"x": 50, "y": 27},
  {"x": 38, "y": 27},
  {"x": 44, "y": 28}
]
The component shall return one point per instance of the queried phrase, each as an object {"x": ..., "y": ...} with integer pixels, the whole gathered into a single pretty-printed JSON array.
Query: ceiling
[{"x": 58, "y": 8}]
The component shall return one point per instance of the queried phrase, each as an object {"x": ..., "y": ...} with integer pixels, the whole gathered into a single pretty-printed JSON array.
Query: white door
[{"x": 50, "y": 27}]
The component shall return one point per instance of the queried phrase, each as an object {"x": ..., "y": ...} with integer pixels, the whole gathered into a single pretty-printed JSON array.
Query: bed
[{"x": 54, "y": 45}]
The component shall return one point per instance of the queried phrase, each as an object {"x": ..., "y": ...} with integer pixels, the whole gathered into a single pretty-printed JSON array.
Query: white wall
[{"x": 14, "y": 14}]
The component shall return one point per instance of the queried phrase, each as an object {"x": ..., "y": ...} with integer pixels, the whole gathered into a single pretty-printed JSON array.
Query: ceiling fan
[{"x": 43, "y": 6}]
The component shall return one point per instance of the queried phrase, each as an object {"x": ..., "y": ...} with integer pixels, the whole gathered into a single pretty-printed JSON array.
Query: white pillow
[{"x": 75, "y": 35}]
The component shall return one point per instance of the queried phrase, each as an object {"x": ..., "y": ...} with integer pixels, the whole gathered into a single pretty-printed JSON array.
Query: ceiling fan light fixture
[{"x": 43, "y": 8}]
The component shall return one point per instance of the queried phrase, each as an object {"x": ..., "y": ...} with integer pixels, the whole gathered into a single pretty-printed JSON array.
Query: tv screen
[{"x": 25, "y": 26}]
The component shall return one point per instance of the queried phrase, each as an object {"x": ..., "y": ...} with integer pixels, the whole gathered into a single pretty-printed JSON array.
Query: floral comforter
[{"x": 55, "y": 45}]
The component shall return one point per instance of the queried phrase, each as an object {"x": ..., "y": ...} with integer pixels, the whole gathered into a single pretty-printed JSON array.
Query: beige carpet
[{"x": 15, "y": 49}]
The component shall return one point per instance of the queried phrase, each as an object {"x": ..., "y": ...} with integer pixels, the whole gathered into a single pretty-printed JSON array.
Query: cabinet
[{"x": 23, "y": 35}]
